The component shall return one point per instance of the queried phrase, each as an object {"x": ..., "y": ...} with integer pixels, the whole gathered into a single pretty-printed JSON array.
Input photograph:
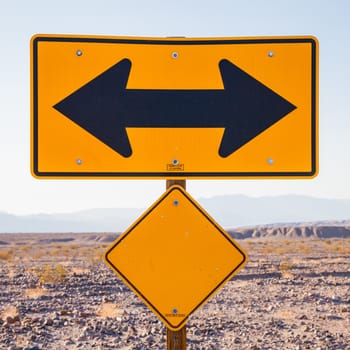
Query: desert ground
[{"x": 56, "y": 293}]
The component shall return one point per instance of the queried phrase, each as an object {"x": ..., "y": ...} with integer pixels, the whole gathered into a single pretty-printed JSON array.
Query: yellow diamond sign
[{"x": 175, "y": 257}]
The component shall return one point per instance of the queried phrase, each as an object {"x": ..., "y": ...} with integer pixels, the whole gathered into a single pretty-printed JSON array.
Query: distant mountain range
[
  {"x": 230, "y": 211},
  {"x": 334, "y": 230}
]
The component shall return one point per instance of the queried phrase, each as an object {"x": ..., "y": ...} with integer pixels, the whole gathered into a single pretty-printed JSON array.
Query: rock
[
  {"x": 334, "y": 317},
  {"x": 336, "y": 298},
  {"x": 48, "y": 322},
  {"x": 69, "y": 342}
]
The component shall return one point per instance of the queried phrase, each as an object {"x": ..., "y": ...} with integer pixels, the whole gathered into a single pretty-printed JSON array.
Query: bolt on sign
[
  {"x": 175, "y": 257},
  {"x": 124, "y": 107}
]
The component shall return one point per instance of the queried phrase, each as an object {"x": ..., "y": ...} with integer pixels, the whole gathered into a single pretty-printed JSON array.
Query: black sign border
[{"x": 183, "y": 174}]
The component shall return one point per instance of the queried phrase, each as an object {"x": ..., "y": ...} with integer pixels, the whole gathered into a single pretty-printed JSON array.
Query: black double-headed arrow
[{"x": 105, "y": 108}]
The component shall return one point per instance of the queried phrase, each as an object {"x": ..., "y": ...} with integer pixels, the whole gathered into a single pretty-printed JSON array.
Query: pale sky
[{"x": 328, "y": 20}]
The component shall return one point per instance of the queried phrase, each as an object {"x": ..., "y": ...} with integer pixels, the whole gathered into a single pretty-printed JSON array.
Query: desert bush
[
  {"x": 51, "y": 274},
  {"x": 38, "y": 255},
  {"x": 281, "y": 250},
  {"x": 95, "y": 256},
  {"x": 25, "y": 248},
  {"x": 285, "y": 266},
  {"x": 340, "y": 249},
  {"x": 5, "y": 255},
  {"x": 304, "y": 247}
]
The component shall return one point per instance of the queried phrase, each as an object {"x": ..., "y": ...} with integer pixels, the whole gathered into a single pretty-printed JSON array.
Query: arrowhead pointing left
[{"x": 94, "y": 107}]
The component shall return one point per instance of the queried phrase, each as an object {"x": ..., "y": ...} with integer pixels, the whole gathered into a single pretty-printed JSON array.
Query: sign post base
[{"x": 176, "y": 340}]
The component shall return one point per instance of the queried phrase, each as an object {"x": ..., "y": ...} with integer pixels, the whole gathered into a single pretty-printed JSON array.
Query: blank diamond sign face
[{"x": 175, "y": 257}]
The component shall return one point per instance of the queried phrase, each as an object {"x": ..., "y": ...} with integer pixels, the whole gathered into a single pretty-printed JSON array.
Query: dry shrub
[
  {"x": 304, "y": 247},
  {"x": 38, "y": 255},
  {"x": 95, "y": 257},
  {"x": 341, "y": 249},
  {"x": 268, "y": 250},
  {"x": 281, "y": 250},
  {"x": 51, "y": 274},
  {"x": 25, "y": 248},
  {"x": 5, "y": 255},
  {"x": 285, "y": 266}
]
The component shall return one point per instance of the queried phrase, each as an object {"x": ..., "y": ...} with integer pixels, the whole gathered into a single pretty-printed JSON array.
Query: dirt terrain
[{"x": 56, "y": 293}]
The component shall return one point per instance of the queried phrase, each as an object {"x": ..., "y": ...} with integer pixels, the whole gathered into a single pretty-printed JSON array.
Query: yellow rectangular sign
[
  {"x": 125, "y": 107},
  {"x": 175, "y": 257}
]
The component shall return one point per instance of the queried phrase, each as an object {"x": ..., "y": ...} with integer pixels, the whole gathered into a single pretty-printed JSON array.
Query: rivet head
[
  {"x": 270, "y": 161},
  {"x": 79, "y": 53},
  {"x": 79, "y": 161},
  {"x": 175, "y": 311},
  {"x": 174, "y": 54},
  {"x": 270, "y": 54},
  {"x": 176, "y": 202},
  {"x": 175, "y": 161}
]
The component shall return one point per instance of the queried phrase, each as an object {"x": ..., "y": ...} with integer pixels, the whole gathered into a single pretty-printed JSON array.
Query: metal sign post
[{"x": 176, "y": 340}]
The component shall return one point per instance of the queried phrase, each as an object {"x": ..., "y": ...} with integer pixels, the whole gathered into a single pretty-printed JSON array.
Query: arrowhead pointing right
[{"x": 252, "y": 106}]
